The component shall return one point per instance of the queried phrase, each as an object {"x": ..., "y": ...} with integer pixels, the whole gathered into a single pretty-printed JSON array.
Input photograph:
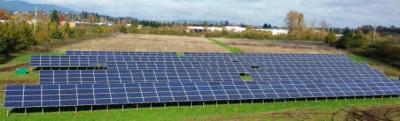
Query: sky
[{"x": 338, "y": 13}]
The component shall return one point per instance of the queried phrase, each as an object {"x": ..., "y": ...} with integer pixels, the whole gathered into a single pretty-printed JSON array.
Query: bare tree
[
  {"x": 324, "y": 25},
  {"x": 295, "y": 21}
]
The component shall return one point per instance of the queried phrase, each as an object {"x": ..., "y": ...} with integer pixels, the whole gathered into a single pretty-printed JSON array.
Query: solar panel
[
  {"x": 96, "y": 61},
  {"x": 27, "y": 96},
  {"x": 199, "y": 75},
  {"x": 200, "y": 54},
  {"x": 236, "y": 65},
  {"x": 160, "y": 77}
]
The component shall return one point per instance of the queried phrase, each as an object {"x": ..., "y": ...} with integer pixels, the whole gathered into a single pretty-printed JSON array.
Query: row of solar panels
[
  {"x": 69, "y": 61},
  {"x": 198, "y": 75},
  {"x": 22, "y": 96},
  {"x": 199, "y": 54}
]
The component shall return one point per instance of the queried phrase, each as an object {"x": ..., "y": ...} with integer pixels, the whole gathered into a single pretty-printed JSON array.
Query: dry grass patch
[
  {"x": 275, "y": 46},
  {"x": 142, "y": 42}
]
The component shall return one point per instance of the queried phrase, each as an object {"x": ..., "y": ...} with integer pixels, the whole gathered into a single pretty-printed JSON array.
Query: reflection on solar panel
[
  {"x": 22, "y": 96},
  {"x": 161, "y": 77}
]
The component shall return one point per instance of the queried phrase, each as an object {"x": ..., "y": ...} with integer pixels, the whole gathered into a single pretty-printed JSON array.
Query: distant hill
[{"x": 25, "y": 6}]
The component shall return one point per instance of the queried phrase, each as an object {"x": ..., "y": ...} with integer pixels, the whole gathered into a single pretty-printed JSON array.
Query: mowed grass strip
[
  {"x": 226, "y": 46},
  {"x": 210, "y": 112}
]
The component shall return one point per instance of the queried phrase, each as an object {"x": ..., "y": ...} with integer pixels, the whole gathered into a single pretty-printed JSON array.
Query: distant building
[
  {"x": 235, "y": 28},
  {"x": 274, "y": 31},
  {"x": 215, "y": 29}
]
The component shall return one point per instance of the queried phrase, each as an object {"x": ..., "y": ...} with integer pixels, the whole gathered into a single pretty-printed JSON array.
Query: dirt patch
[
  {"x": 12, "y": 67},
  {"x": 143, "y": 42},
  {"x": 275, "y": 46}
]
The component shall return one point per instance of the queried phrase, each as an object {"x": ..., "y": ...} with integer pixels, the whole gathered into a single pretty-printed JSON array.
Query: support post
[
  {"x": 137, "y": 106},
  {"x": 252, "y": 101},
  {"x": 165, "y": 105},
  {"x": 316, "y": 99},
  {"x": 122, "y": 107},
  {"x": 151, "y": 106},
  {"x": 216, "y": 103},
  {"x": 263, "y": 101},
  {"x": 203, "y": 104},
  {"x": 326, "y": 99},
  {"x": 25, "y": 110},
  {"x": 59, "y": 110},
  {"x": 178, "y": 104},
  {"x": 8, "y": 112},
  {"x": 42, "y": 111},
  {"x": 91, "y": 108},
  {"x": 228, "y": 102},
  {"x": 240, "y": 102},
  {"x": 76, "y": 109},
  {"x": 191, "y": 104},
  {"x": 273, "y": 100},
  {"x": 345, "y": 98},
  {"x": 306, "y": 99},
  {"x": 295, "y": 101},
  {"x": 107, "y": 108}
]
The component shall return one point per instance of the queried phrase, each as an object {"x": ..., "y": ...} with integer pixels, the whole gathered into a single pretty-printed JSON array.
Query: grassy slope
[{"x": 210, "y": 112}]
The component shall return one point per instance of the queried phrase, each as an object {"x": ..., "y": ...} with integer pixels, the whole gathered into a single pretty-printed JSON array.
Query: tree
[
  {"x": 295, "y": 21},
  {"x": 324, "y": 25},
  {"x": 54, "y": 17},
  {"x": 331, "y": 38},
  {"x": 266, "y": 26},
  {"x": 3, "y": 14}
]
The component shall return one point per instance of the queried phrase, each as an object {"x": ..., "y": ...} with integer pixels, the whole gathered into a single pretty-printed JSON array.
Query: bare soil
[
  {"x": 279, "y": 46},
  {"x": 142, "y": 42}
]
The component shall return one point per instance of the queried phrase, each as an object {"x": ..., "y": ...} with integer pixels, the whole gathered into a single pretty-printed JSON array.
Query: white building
[
  {"x": 274, "y": 31},
  {"x": 235, "y": 28},
  {"x": 215, "y": 29}
]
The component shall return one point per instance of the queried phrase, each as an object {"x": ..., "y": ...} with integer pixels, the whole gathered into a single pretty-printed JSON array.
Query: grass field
[{"x": 307, "y": 111}]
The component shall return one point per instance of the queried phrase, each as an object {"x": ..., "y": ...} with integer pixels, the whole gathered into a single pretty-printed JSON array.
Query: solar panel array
[{"x": 161, "y": 77}]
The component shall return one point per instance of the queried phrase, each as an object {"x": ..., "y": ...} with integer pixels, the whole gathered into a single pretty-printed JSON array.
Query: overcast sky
[{"x": 337, "y": 12}]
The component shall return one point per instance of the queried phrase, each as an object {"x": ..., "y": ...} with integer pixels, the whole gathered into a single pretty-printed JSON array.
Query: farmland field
[{"x": 311, "y": 110}]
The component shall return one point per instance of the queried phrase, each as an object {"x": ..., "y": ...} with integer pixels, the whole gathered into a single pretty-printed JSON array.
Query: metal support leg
[
  {"x": 191, "y": 104},
  {"x": 91, "y": 108},
  {"x": 252, "y": 101},
  {"x": 59, "y": 110},
  {"x": 25, "y": 111},
  {"x": 151, "y": 106},
  {"x": 42, "y": 111},
  {"x": 137, "y": 106},
  {"x": 76, "y": 109},
  {"x": 165, "y": 105},
  {"x": 240, "y": 102},
  {"x": 306, "y": 99},
  {"x": 295, "y": 101},
  {"x": 263, "y": 101},
  {"x": 122, "y": 107},
  {"x": 8, "y": 112},
  {"x": 203, "y": 104},
  {"x": 178, "y": 104},
  {"x": 216, "y": 103},
  {"x": 107, "y": 108},
  {"x": 228, "y": 102}
]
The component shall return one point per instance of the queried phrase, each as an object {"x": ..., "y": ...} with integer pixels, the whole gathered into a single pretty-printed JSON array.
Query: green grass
[
  {"x": 180, "y": 54},
  {"x": 226, "y": 46},
  {"x": 10, "y": 76},
  {"x": 390, "y": 71},
  {"x": 210, "y": 112}
]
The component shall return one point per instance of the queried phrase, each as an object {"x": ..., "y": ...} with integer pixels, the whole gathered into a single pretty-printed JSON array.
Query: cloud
[{"x": 337, "y": 12}]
